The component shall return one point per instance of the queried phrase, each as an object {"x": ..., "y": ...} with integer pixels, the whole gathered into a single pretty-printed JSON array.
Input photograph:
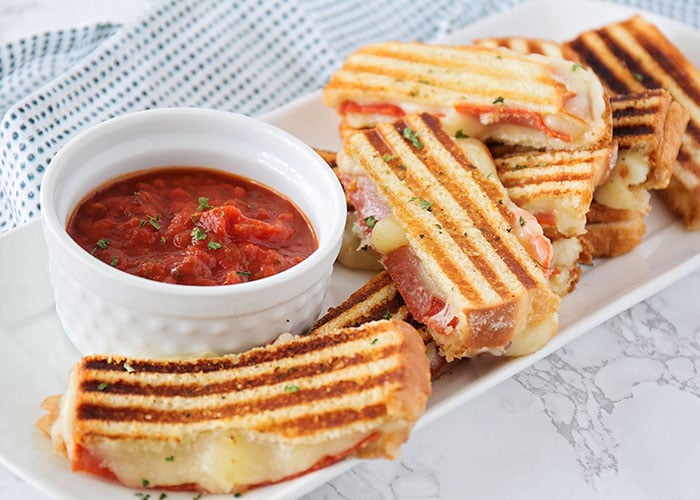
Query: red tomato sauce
[{"x": 192, "y": 226}]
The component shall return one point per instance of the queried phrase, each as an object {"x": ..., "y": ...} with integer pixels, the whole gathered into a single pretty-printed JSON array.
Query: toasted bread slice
[
  {"x": 611, "y": 232},
  {"x": 226, "y": 424},
  {"x": 376, "y": 300},
  {"x": 488, "y": 94},
  {"x": 556, "y": 187},
  {"x": 632, "y": 56},
  {"x": 648, "y": 127}
]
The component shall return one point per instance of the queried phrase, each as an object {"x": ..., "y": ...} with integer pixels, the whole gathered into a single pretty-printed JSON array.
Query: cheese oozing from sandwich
[{"x": 227, "y": 424}]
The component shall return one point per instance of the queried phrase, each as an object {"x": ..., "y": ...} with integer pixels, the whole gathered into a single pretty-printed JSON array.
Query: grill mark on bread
[
  {"x": 254, "y": 357},
  {"x": 463, "y": 198},
  {"x": 693, "y": 130},
  {"x": 479, "y": 219},
  {"x": 599, "y": 66},
  {"x": 381, "y": 144},
  {"x": 191, "y": 390},
  {"x": 633, "y": 130},
  {"x": 309, "y": 424},
  {"x": 379, "y": 293},
  {"x": 668, "y": 60},
  {"x": 631, "y": 62},
  {"x": 633, "y": 111},
  {"x": 687, "y": 160},
  {"x": 434, "y": 125},
  {"x": 544, "y": 87},
  {"x": 303, "y": 396}
]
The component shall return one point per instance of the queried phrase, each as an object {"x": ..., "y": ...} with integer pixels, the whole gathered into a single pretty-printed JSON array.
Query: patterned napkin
[{"x": 245, "y": 56}]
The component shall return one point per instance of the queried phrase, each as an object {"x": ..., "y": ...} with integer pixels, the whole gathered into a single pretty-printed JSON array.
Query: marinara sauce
[{"x": 192, "y": 226}]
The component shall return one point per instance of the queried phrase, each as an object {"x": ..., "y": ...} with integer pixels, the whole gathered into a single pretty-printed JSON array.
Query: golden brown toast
[
  {"x": 488, "y": 94},
  {"x": 556, "y": 187},
  {"x": 447, "y": 235},
  {"x": 226, "y": 424},
  {"x": 378, "y": 299},
  {"x": 611, "y": 232},
  {"x": 633, "y": 56},
  {"x": 648, "y": 127}
]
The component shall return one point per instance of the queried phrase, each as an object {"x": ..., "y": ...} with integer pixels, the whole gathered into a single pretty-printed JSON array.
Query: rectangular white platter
[{"x": 35, "y": 356}]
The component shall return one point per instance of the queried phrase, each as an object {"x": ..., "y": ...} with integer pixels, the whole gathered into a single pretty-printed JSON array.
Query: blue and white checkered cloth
[{"x": 245, "y": 56}]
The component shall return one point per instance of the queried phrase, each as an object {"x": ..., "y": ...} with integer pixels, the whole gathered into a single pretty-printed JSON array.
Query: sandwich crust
[{"x": 611, "y": 232}]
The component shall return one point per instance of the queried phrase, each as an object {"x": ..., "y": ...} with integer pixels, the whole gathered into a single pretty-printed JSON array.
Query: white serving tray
[{"x": 35, "y": 356}]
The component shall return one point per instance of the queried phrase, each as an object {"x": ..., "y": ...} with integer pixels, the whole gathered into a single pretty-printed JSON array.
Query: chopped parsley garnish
[
  {"x": 461, "y": 135},
  {"x": 102, "y": 244},
  {"x": 213, "y": 245},
  {"x": 426, "y": 82},
  {"x": 387, "y": 315},
  {"x": 145, "y": 483},
  {"x": 243, "y": 273},
  {"x": 198, "y": 234},
  {"x": 102, "y": 386},
  {"x": 374, "y": 341},
  {"x": 424, "y": 204},
  {"x": 409, "y": 134},
  {"x": 387, "y": 157},
  {"x": 171, "y": 458},
  {"x": 370, "y": 221},
  {"x": 499, "y": 100},
  {"x": 521, "y": 221},
  {"x": 162, "y": 240},
  {"x": 153, "y": 221},
  {"x": 143, "y": 223},
  {"x": 199, "y": 495},
  {"x": 576, "y": 66},
  {"x": 128, "y": 368},
  {"x": 519, "y": 167},
  {"x": 142, "y": 496},
  {"x": 162, "y": 496},
  {"x": 499, "y": 56},
  {"x": 638, "y": 76},
  {"x": 203, "y": 203},
  {"x": 291, "y": 388},
  {"x": 115, "y": 261}
]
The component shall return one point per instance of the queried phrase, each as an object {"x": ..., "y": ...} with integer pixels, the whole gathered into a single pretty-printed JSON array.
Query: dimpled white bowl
[{"x": 105, "y": 310}]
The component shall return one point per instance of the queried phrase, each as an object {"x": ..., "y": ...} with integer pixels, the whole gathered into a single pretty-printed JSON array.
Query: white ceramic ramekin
[{"x": 105, "y": 310}]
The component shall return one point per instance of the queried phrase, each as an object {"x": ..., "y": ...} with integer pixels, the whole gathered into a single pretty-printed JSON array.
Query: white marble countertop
[{"x": 613, "y": 415}]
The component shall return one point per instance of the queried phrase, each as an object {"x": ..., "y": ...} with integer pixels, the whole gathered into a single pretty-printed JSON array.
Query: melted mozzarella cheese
[
  {"x": 388, "y": 235},
  {"x": 479, "y": 154},
  {"x": 614, "y": 193},
  {"x": 533, "y": 337},
  {"x": 217, "y": 461},
  {"x": 633, "y": 167}
]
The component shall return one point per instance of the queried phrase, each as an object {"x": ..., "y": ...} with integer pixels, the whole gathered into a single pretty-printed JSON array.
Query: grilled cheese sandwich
[
  {"x": 633, "y": 56},
  {"x": 488, "y": 94},
  {"x": 448, "y": 235},
  {"x": 226, "y": 424}
]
